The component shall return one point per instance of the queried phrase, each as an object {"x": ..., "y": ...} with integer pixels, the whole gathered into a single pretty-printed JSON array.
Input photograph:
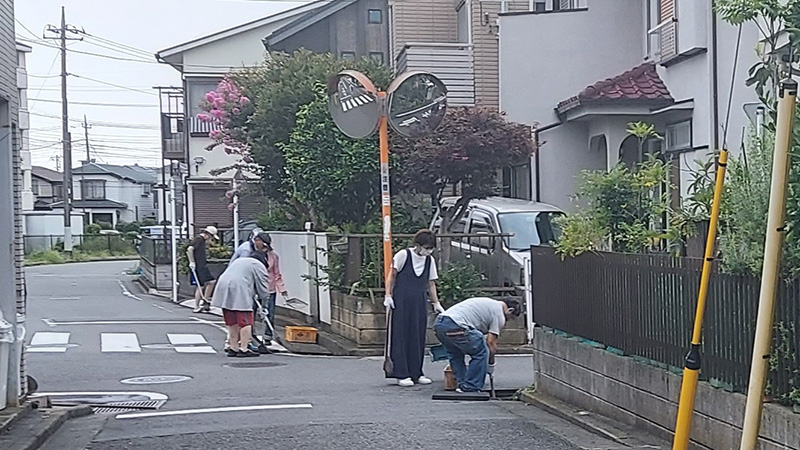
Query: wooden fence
[{"x": 644, "y": 305}]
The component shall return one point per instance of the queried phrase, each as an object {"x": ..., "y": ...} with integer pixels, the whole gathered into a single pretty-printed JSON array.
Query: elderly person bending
[{"x": 243, "y": 280}]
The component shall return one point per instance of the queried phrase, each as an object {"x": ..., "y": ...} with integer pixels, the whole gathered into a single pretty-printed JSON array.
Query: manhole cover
[
  {"x": 159, "y": 379},
  {"x": 253, "y": 365}
]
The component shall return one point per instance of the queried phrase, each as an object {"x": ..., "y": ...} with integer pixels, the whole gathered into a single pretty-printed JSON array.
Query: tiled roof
[
  {"x": 640, "y": 84},
  {"x": 47, "y": 174},
  {"x": 133, "y": 173},
  {"x": 99, "y": 204}
]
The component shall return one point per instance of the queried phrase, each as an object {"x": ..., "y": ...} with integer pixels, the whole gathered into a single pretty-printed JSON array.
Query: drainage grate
[
  {"x": 120, "y": 407},
  {"x": 253, "y": 365}
]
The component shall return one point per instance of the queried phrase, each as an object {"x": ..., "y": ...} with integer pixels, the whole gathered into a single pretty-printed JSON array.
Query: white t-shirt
[{"x": 399, "y": 261}]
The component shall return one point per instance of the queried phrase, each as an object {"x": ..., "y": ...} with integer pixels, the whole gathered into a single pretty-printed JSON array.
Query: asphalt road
[{"x": 107, "y": 331}]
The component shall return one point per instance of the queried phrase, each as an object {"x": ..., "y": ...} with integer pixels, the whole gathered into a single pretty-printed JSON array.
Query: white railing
[{"x": 197, "y": 126}]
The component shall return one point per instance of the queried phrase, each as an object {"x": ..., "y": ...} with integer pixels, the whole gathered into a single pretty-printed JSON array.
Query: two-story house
[
  {"x": 110, "y": 194},
  {"x": 345, "y": 28},
  {"x": 458, "y": 41},
  {"x": 46, "y": 187},
  {"x": 582, "y": 74}
]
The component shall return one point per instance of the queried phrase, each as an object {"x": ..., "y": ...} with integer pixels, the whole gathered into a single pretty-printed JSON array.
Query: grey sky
[{"x": 149, "y": 25}]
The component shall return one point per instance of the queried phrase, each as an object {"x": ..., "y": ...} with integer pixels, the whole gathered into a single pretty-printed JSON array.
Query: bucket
[{"x": 450, "y": 383}]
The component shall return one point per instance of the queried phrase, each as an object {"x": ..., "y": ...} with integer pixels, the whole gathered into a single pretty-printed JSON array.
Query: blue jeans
[
  {"x": 460, "y": 341},
  {"x": 271, "y": 315}
]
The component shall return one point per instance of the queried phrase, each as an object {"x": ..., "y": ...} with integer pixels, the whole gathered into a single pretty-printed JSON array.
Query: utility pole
[
  {"x": 770, "y": 273},
  {"x": 88, "y": 161},
  {"x": 60, "y": 33}
]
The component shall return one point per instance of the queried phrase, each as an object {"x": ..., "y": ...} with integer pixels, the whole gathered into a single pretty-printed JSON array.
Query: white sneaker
[
  {"x": 424, "y": 380},
  {"x": 405, "y": 382}
]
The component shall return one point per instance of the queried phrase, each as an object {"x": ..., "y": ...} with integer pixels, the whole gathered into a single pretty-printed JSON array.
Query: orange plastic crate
[{"x": 307, "y": 335}]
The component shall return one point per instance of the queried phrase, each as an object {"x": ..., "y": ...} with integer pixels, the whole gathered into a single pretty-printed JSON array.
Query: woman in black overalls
[{"x": 410, "y": 284}]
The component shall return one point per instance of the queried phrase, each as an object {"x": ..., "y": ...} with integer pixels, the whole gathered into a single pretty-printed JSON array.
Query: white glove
[
  {"x": 490, "y": 369},
  {"x": 388, "y": 302},
  {"x": 192, "y": 266},
  {"x": 438, "y": 308}
]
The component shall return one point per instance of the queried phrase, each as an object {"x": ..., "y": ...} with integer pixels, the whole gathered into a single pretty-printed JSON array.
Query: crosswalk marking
[
  {"x": 119, "y": 343},
  {"x": 47, "y": 342},
  {"x": 190, "y": 343},
  {"x": 186, "y": 339}
]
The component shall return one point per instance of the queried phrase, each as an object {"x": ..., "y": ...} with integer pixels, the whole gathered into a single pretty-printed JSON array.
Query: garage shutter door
[{"x": 210, "y": 207}]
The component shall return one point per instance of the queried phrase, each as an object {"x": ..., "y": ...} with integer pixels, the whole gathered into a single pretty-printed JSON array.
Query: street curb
[
  {"x": 20, "y": 413},
  {"x": 34, "y": 435},
  {"x": 591, "y": 422},
  {"x": 45, "y": 263}
]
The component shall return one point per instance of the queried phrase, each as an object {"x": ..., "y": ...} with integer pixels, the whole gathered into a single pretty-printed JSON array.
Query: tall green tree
[{"x": 278, "y": 89}]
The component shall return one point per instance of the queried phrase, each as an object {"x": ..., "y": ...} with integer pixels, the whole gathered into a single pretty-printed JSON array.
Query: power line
[
  {"x": 112, "y": 105},
  {"x": 112, "y": 84},
  {"x": 135, "y": 126}
]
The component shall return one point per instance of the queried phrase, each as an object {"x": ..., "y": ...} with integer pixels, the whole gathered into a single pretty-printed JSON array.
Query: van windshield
[{"x": 529, "y": 228}]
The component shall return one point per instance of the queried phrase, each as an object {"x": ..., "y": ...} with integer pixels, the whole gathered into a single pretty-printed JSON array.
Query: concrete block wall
[
  {"x": 646, "y": 397},
  {"x": 363, "y": 321}
]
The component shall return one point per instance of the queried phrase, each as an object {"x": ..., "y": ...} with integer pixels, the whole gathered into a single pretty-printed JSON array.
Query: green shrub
[
  {"x": 48, "y": 256},
  {"x": 458, "y": 282},
  {"x": 92, "y": 228}
]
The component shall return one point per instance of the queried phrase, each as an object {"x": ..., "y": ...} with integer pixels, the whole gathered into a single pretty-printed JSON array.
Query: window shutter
[
  {"x": 669, "y": 33},
  {"x": 211, "y": 207}
]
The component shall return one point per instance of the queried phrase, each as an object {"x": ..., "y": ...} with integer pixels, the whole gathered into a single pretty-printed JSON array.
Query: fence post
[{"x": 353, "y": 262}]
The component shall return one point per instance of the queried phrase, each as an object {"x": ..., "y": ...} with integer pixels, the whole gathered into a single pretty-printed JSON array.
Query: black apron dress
[{"x": 409, "y": 321}]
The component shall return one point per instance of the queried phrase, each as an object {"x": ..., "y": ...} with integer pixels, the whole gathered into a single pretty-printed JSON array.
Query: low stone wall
[
  {"x": 646, "y": 397},
  {"x": 363, "y": 321}
]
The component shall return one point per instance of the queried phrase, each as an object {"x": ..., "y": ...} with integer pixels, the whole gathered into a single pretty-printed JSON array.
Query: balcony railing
[
  {"x": 174, "y": 147},
  {"x": 451, "y": 63},
  {"x": 198, "y": 128}
]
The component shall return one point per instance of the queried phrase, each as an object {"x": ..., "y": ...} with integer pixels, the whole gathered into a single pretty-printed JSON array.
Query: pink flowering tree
[{"x": 228, "y": 109}]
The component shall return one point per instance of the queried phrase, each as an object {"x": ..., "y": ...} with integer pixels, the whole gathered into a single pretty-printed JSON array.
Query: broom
[{"x": 388, "y": 366}]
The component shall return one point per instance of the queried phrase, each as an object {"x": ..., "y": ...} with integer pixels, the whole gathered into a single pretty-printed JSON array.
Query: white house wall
[
  {"x": 211, "y": 160},
  {"x": 567, "y": 149},
  {"x": 122, "y": 191},
  {"x": 547, "y": 58},
  {"x": 244, "y": 49}
]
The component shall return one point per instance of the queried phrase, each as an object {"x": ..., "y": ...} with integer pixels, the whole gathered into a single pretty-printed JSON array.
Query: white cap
[{"x": 212, "y": 230}]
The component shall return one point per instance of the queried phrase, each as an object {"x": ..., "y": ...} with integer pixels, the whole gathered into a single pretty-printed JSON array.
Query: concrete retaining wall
[
  {"x": 363, "y": 321},
  {"x": 647, "y": 397}
]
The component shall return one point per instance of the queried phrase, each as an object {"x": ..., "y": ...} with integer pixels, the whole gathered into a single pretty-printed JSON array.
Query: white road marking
[
  {"x": 126, "y": 292},
  {"x": 64, "y": 298},
  {"x": 162, "y": 308},
  {"x": 47, "y": 342},
  {"x": 201, "y": 349},
  {"x": 186, "y": 339},
  {"x": 119, "y": 343},
  {"x": 190, "y": 343},
  {"x": 213, "y": 410},
  {"x": 53, "y": 323},
  {"x": 217, "y": 325}
]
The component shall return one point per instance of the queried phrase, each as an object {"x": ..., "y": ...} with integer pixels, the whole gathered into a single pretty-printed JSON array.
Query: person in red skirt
[{"x": 243, "y": 280}]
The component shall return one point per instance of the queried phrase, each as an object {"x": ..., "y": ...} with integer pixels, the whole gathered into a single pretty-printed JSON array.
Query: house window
[
  {"x": 197, "y": 94},
  {"x": 662, "y": 39},
  {"x": 516, "y": 182},
  {"x": 375, "y": 16},
  {"x": 35, "y": 187},
  {"x": 93, "y": 189},
  {"x": 377, "y": 57},
  {"x": 540, "y": 7},
  {"x": 679, "y": 136},
  {"x": 348, "y": 56},
  {"x": 146, "y": 190}
]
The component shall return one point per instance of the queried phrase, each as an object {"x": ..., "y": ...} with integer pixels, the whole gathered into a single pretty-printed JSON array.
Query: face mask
[{"x": 424, "y": 251}]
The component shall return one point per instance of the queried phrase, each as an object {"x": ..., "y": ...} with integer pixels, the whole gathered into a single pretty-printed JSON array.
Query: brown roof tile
[{"x": 640, "y": 84}]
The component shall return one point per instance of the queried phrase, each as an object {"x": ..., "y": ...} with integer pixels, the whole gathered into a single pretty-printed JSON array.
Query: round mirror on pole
[
  {"x": 353, "y": 104},
  {"x": 417, "y": 103}
]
